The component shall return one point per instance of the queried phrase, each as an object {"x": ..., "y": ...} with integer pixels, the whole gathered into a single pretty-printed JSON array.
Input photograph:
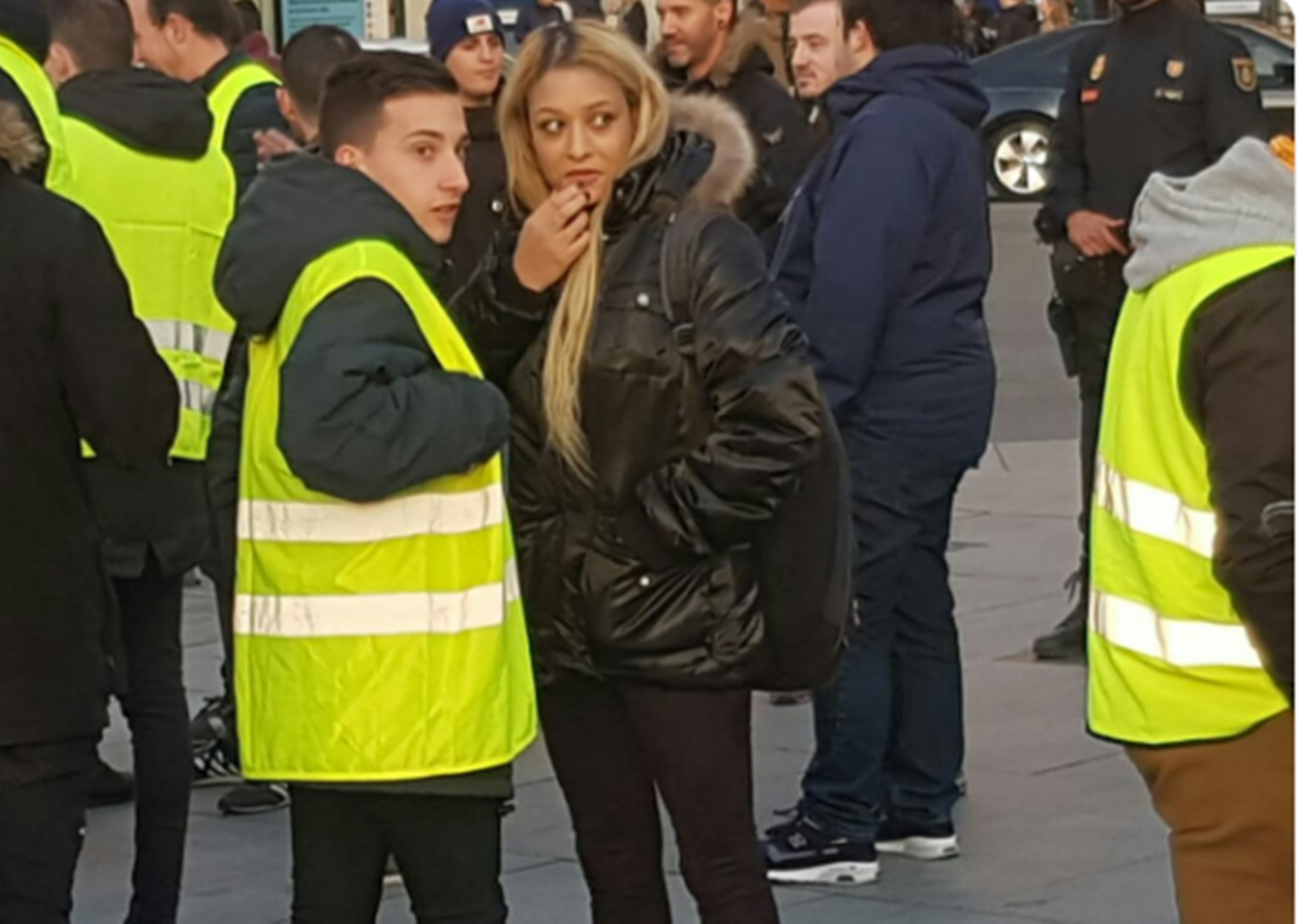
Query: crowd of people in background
[{"x": 588, "y": 401}]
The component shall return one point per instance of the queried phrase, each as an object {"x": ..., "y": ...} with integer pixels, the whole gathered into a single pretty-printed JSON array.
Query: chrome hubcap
[{"x": 1020, "y": 161}]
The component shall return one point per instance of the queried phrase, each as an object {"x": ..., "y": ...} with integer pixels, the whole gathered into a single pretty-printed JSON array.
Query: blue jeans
[{"x": 890, "y": 737}]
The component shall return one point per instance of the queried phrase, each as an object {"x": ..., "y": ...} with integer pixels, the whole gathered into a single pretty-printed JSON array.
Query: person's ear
[
  {"x": 724, "y": 12},
  {"x": 351, "y": 157},
  {"x": 60, "y": 64},
  {"x": 177, "y": 29},
  {"x": 285, "y": 102}
]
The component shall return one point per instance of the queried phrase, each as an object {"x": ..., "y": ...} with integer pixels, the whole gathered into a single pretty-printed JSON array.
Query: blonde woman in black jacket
[{"x": 644, "y": 460}]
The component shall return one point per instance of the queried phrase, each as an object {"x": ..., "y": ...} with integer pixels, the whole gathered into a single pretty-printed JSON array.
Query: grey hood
[{"x": 1246, "y": 199}]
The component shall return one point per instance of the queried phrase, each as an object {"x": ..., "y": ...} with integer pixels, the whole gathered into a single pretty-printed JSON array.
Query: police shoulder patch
[{"x": 1243, "y": 71}]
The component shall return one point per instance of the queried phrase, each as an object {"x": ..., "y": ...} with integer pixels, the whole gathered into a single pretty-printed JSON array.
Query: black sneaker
[
  {"x": 254, "y": 799},
  {"x": 800, "y": 853},
  {"x": 918, "y": 841},
  {"x": 111, "y": 787},
  {"x": 215, "y": 748}
]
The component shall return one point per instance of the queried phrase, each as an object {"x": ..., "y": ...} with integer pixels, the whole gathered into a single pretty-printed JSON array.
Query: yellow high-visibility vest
[
  {"x": 382, "y": 641},
  {"x": 27, "y": 73},
  {"x": 165, "y": 218},
  {"x": 1170, "y": 661}
]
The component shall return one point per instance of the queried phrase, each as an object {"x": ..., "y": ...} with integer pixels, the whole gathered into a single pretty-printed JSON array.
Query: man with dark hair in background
[
  {"x": 74, "y": 364},
  {"x": 147, "y": 169},
  {"x": 468, "y": 37},
  {"x": 1159, "y": 90},
  {"x": 885, "y": 259},
  {"x": 364, "y": 402},
  {"x": 192, "y": 40},
  {"x": 307, "y": 62},
  {"x": 252, "y": 37},
  {"x": 709, "y": 48}
]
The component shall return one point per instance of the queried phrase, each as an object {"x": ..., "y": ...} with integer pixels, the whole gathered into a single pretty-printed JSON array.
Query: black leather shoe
[{"x": 1068, "y": 641}]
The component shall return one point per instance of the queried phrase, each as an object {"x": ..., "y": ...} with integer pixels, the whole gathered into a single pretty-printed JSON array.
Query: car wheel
[{"x": 1017, "y": 154}]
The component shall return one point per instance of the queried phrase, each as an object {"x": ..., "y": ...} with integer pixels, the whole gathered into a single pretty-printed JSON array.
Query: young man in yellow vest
[
  {"x": 148, "y": 170},
  {"x": 381, "y": 660},
  {"x": 1192, "y": 623},
  {"x": 24, "y": 41}
]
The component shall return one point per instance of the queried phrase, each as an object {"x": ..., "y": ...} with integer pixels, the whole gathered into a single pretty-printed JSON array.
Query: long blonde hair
[{"x": 578, "y": 44}]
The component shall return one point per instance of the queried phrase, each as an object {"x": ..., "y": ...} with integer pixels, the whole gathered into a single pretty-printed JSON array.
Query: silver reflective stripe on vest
[
  {"x": 354, "y": 615},
  {"x": 197, "y": 397},
  {"x": 1155, "y": 512},
  {"x": 183, "y": 337},
  {"x": 398, "y": 518},
  {"x": 1180, "y": 642}
]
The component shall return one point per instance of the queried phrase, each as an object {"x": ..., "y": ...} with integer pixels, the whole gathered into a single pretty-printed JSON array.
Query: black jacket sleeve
[
  {"x": 1233, "y": 110},
  {"x": 123, "y": 397},
  {"x": 257, "y": 110},
  {"x": 784, "y": 143},
  {"x": 497, "y": 316},
  {"x": 366, "y": 410},
  {"x": 1067, "y": 161},
  {"x": 763, "y": 392},
  {"x": 1238, "y": 379}
]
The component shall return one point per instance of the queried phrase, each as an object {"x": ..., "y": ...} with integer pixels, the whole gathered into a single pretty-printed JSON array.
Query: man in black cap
[{"x": 1160, "y": 90}]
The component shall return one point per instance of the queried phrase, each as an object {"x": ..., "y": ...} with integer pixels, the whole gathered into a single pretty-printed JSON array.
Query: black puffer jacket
[
  {"x": 486, "y": 204},
  {"x": 647, "y": 573}
]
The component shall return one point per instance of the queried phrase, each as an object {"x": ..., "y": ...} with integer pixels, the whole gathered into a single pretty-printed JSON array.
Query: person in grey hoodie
[{"x": 1191, "y": 642}]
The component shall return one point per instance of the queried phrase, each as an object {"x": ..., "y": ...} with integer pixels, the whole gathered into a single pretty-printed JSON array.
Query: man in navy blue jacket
[{"x": 885, "y": 260}]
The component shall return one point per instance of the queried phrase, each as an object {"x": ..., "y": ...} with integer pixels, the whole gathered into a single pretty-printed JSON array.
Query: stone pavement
[{"x": 1057, "y": 828}]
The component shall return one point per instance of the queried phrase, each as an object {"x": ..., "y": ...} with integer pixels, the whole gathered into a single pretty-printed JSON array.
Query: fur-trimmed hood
[
  {"x": 734, "y": 160},
  {"x": 20, "y": 147},
  {"x": 707, "y": 161}
]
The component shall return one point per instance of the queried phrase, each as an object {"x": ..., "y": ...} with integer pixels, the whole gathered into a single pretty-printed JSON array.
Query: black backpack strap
[{"x": 674, "y": 287}]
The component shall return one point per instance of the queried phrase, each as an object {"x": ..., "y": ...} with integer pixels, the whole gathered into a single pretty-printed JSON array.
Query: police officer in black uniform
[{"x": 1158, "y": 90}]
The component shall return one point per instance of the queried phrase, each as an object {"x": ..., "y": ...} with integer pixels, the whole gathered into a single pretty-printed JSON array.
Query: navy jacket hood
[
  {"x": 929, "y": 72},
  {"x": 143, "y": 110},
  {"x": 301, "y": 207}
]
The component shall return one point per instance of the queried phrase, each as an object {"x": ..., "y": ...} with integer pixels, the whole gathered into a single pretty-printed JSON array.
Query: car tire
[{"x": 1017, "y": 159}]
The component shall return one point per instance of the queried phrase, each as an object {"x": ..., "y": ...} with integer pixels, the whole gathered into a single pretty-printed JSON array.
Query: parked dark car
[{"x": 1025, "y": 81}]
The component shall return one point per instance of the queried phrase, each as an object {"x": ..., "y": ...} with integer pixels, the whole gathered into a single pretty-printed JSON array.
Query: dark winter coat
[
  {"x": 486, "y": 205},
  {"x": 777, "y": 123},
  {"x": 74, "y": 364},
  {"x": 162, "y": 511},
  {"x": 886, "y": 256},
  {"x": 647, "y": 572},
  {"x": 255, "y": 111},
  {"x": 1017, "y": 23}
]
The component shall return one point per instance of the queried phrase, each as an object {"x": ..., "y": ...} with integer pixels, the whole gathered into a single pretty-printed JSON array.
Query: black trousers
[
  {"x": 158, "y": 716},
  {"x": 1095, "y": 320},
  {"x": 43, "y": 794},
  {"x": 447, "y": 848},
  {"x": 613, "y": 747}
]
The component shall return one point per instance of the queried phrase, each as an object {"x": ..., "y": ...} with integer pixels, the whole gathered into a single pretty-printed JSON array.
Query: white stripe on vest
[
  {"x": 1180, "y": 642},
  {"x": 1155, "y": 512},
  {"x": 358, "y": 615},
  {"x": 184, "y": 337},
  {"x": 351, "y": 524}
]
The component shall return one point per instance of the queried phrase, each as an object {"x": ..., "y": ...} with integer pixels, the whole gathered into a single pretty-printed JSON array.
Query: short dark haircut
[
  {"x": 308, "y": 60},
  {"x": 898, "y": 23},
  {"x": 213, "y": 18},
  {"x": 356, "y": 92},
  {"x": 98, "y": 33},
  {"x": 249, "y": 16}
]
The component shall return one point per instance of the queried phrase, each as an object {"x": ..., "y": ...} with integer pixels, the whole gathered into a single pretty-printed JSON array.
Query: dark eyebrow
[{"x": 427, "y": 133}]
